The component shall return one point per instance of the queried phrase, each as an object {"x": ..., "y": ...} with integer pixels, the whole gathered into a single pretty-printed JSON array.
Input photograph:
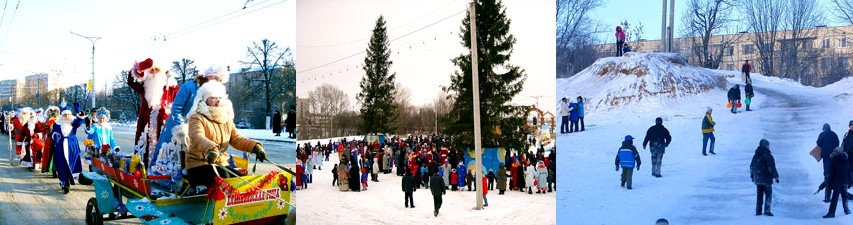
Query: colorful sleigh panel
[
  {"x": 151, "y": 213},
  {"x": 264, "y": 199},
  {"x": 103, "y": 192}
]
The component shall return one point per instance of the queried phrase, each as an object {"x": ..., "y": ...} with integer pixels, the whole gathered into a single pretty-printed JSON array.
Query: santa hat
[
  {"x": 218, "y": 71},
  {"x": 25, "y": 110},
  {"x": 66, "y": 112}
]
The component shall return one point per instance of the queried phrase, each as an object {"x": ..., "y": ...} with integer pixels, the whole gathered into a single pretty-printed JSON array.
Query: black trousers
[
  {"x": 583, "y": 126},
  {"x": 436, "y": 200},
  {"x": 564, "y": 124},
  {"x": 204, "y": 175},
  {"x": 835, "y": 193},
  {"x": 409, "y": 200},
  {"x": 619, "y": 48},
  {"x": 763, "y": 193}
]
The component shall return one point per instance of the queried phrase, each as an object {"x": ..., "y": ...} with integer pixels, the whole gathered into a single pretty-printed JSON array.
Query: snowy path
[
  {"x": 696, "y": 189},
  {"x": 726, "y": 195}
]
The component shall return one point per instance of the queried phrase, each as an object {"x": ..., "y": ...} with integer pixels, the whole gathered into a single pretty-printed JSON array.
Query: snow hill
[
  {"x": 694, "y": 189},
  {"x": 639, "y": 79}
]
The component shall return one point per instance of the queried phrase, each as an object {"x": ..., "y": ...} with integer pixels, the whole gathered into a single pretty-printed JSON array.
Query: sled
[
  {"x": 815, "y": 152},
  {"x": 252, "y": 199}
]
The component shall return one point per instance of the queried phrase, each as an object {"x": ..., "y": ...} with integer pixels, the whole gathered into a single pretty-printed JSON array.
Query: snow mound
[
  {"x": 640, "y": 79},
  {"x": 843, "y": 85}
]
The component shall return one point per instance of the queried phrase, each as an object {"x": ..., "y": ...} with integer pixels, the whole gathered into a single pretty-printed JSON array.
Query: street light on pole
[{"x": 93, "y": 40}]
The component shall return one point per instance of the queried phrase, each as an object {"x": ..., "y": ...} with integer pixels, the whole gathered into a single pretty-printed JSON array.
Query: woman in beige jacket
[{"x": 211, "y": 131}]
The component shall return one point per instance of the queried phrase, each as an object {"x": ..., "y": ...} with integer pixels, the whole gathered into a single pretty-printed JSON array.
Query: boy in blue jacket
[{"x": 626, "y": 158}]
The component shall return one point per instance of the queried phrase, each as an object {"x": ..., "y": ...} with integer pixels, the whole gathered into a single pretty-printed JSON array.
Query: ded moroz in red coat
[
  {"x": 25, "y": 131},
  {"x": 157, "y": 90}
]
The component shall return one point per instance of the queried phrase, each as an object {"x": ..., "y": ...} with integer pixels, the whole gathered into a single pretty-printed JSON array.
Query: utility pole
[
  {"x": 93, "y": 40},
  {"x": 671, "y": 25},
  {"x": 663, "y": 29},
  {"x": 478, "y": 153}
]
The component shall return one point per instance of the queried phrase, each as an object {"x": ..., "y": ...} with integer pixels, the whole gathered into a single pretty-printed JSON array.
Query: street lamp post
[{"x": 93, "y": 40}]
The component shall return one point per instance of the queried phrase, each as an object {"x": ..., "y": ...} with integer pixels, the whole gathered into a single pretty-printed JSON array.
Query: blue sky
[{"x": 37, "y": 37}]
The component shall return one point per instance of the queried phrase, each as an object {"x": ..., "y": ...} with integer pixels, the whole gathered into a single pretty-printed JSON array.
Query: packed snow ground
[
  {"x": 382, "y": 203},
  {"x": 696, "y": 189}
]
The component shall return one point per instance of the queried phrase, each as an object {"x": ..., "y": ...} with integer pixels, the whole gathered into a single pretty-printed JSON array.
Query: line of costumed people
[
  {"x": 46, "y": 141},
  {"x": 420, "y": 161}
]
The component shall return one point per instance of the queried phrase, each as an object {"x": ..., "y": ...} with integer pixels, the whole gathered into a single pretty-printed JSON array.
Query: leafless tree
[
  {"x": 575, "y": 30},
  {"x": 764, "y": 18},
  {"x": 702, "y": 21},
  {"x": 327, "y": 100},
  {"x": 843, "y": 10},
  {"x": 798, "y": 54},
  {"x": 185, "y": 69},
  {"x": 634, "y": 34},
  {"x": 268, "y": 58},
  {"x": 127, "y": 101}
]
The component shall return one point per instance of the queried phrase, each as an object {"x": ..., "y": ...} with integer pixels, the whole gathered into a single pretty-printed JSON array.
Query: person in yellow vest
[{"x": 708, "y": 131}]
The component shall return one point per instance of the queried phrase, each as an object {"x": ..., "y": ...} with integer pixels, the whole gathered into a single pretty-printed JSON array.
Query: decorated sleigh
[{"x": 123, "y": 192}]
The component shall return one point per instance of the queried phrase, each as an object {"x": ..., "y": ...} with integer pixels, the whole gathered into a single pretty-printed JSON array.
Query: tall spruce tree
[
  {"x": 377, "y": 85},
  {"x": 499, "y": 82}
]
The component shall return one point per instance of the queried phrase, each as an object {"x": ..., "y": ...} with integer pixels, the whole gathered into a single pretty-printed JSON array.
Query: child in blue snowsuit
[{"x": 626, "y": 159}]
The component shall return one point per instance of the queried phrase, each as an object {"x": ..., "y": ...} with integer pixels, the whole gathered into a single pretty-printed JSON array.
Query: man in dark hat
[
  {"x": 763, "y": 173},
  {"x": 658, "y": 137}
]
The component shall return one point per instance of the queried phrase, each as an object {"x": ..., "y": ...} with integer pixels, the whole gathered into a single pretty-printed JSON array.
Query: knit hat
[
  {"x": 851, "y": 123},
  {"x": 764, "y": 143},
  {"x": 826, "y": 127},
  {"x": 658, "y": 121}
]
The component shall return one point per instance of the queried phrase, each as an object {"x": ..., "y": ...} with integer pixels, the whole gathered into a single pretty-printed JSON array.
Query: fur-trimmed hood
[{"x": 221, "y": 114}]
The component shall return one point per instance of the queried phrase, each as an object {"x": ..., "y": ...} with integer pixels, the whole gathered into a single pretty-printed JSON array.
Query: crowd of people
[
  {"x": 174, "y": 133},
  {"x": 571, "y": 115},
  {"x": 423, "y": 162}
]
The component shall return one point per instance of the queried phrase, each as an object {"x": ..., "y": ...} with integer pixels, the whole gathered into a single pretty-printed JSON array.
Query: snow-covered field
[
  {"x": 382, "y": 203},
  {"x": 696, "y": 189}
]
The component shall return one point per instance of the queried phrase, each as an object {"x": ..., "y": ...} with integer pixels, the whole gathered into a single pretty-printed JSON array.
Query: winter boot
[
  {"x": 768, "y": 213},
  {"x": 623, "y": 183},
  {"x": 529, "y": 191}
]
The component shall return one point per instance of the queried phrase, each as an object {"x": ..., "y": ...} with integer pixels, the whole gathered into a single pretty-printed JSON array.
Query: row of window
[
  {"x": 747, "y": 49},
  {"x": 843, "y": 63}
]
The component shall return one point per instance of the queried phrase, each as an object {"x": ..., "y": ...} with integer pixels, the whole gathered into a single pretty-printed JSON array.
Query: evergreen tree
[
  {"x": 499, "y": 82},
  {"x": 377, "y": 85}
]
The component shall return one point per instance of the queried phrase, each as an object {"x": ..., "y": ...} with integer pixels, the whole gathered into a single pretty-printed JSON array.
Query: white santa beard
[
  {"x": 154, "y": 85},
  {"x": 65, "y": 126},
  {"x": 31, "y": 126}
]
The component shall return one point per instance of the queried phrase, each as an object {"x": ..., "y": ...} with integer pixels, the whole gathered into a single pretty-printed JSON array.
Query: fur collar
[{"x": 221, "y": 114}]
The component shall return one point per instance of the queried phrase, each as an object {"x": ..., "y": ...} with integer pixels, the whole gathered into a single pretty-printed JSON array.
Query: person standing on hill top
[
  {"x": 746, "y": 69},
  {"x": 734, "y": 97},
  {"x": 749, "y": 94},
  {"x": 620, "y": 40},
  {"x": 708, "y": 131}
]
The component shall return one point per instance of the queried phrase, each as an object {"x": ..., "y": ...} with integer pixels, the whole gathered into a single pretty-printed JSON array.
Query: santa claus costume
[
  {"x": 173, "y": 138},
  {"x": 66, "y": 152},
  {"x": 157, "y": 90},
  {"x": 26, "y": 127},
  {"x": 47, "y": 151}
]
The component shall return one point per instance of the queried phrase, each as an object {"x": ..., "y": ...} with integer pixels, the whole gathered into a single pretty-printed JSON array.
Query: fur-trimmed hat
[
  {"x": 25, "y": 110},
  {"x": 209, "y": 89},
  {"x": 214, "y": 70},
  {"x": 66, "y": 112}
]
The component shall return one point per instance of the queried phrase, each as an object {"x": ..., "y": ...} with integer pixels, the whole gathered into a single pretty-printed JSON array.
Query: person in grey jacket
[{"x": 763, "y": 173}]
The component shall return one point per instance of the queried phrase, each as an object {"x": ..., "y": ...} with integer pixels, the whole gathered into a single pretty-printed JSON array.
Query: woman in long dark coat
[
  {"x": 276, "y": 123},
  {"x": 290, "y": 123},
  {"x": 501, "y": 179},
  {"x": 354, "y": 175}
]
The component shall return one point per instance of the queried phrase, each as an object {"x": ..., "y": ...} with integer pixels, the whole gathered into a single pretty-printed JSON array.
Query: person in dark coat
[
  {"x": 626, "y": 158},
  {"x": 290, "y": 122},
  {"x": 827, "y": 141},
  {"x": 749, "y": 94},
  {"x": 847, "y": 145},
  {"x": 276, "y": 123},
  {"x": 552, "y": 174},
  {"x": 354, "y": 182},
  {"x": 408, "y": 188},
  {"x": 469, "y": 179},
  {"x": 839, "y": 175},
  {"x": 436, "y": 187},
  {"x": 501, "y": 179},
  {"x": 491, "y": 177},
  {"x": 763, "y": 173},
  {"x": 746, "y": 68},
  {"x": 734, "y": 97},
  {"x": 658, "y": 138}
]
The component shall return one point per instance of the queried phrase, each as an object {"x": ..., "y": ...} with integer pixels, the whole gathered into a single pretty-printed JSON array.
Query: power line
[
  {"x": 393, "y": 29},
  {"x": 202, "y": 25},
  {"x": 9, "y": 28},
  {"x": 392, "y": 40}
]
